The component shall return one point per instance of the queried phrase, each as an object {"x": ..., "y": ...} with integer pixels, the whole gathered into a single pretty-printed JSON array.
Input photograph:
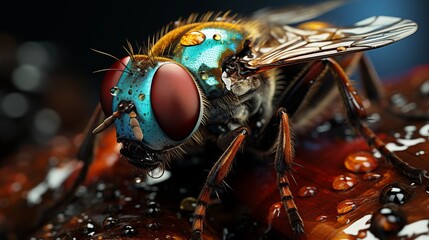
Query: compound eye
[
  {"x": 111, "y": 79},
  {"x": 175, "y": 101}
]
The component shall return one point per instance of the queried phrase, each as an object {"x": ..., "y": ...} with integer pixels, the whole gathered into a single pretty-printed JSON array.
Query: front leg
[
  {"x": 283, "y": 165},
  {"x": 214, "y": 180},
  {"x": 356, "y": 115}
]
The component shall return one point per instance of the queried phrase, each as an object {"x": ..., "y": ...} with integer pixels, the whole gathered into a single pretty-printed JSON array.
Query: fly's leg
[
  {"x": 371, "y": 82},
  {"x": 85, "y": 155},
  {"x": 374, "y": 90},
  {"x": 356, "y": 115},
  {"x": 214, "y": 180},
  {"x": 283, "y": 165}
]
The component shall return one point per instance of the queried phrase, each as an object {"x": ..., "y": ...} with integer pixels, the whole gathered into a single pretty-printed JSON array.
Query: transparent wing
[
  {"x": 297, "y": 45},
  {"x": 297, "y": 13}
]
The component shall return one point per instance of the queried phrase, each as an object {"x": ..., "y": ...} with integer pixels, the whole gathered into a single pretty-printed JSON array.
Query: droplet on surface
[
  {"x": 371, "y": 176},
  {"x": 188, "y": 204},
  {"x": 153, "y": 208},
  {"x": 343, "y": 219},
  {"x": 114, "y": 91},
  {"x": 361, "y": 162},
  {"x": 346, "y": 206},
  {"x": 398, "y": 193},
  {"x": 273, "y": 213},
  {"x": 387, "y": 221},
  {"x": 153, "y": 225},
  {"x": 129, "y": 230},
  {"x": 321, "y": 218},
  {"x": 142, "y": 96},
  {"x": 362, "y": 234},
  {"x": 192, "y": 38},
  {"x": 344, "y": 182},
  {"x": 307, "y": 191},
  {"x": 89, "y": 230},
  {"x": 420, "y": 153},
  {"x": 109, "y": 222}
]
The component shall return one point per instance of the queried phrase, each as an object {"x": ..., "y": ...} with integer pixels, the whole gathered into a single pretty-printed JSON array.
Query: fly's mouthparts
[
  {"x": 135, "y": 126},
  {"x": 138, "y": 155}
]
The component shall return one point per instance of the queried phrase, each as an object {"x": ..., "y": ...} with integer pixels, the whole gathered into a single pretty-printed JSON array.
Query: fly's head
[{"x": 155, "y": 105}]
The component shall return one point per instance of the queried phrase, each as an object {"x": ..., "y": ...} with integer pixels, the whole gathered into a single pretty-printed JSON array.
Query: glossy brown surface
[{"x": 117, "y": 202}]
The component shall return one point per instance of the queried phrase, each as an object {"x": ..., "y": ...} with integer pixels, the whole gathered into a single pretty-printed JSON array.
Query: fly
[{"x": 217, "y": 77}]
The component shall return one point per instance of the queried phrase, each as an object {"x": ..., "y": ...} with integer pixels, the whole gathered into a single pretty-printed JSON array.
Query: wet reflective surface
[{"x": 118, "y": 201}]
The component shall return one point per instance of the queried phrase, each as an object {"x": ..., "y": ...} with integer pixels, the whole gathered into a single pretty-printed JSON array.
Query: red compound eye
[
  {"x": 175, "y": 101},
  {"x": 111, "y": 80}
]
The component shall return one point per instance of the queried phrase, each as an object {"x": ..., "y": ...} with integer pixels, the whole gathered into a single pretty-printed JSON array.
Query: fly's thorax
[{"x": 203, "y": 50}]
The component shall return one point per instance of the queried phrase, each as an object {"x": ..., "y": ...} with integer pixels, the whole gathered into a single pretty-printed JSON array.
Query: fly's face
[{"x": 156, "y": 106}]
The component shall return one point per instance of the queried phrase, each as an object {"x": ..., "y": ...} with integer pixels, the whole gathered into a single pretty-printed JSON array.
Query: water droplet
[
  {"x": 153, "y": 208},
  {"x": 343, "y": 219},
  {"x": 142, "y": 96},
  {"x": 109, "y": 222},
  {"x": 307, "y": 191},
  {"x": 362, "y": 234},
  {"x": 188, "y": 204},
  {"x": 217, "y": 37},
  {"x": 346, "y": 206},
  {"x": 129, "y": 230},
  {"x": 388, "y": 220},
  {"x": 344, "y": 182},
  {"x": 273, "y": 213},
  {"x": 153, "y": 225},
  {"x": 192, "y": 38},
  {"x": 361, "y": 162},
  {"x": 88, "y": 230},
  {"x": 204, "y": 75},
  {"x": 321, "y": 218},
  {"x": 398, "y": 193},
  {"x": 371, "y": 176},
  {"x": 420, "y": 153},
  {"x": 130, "y": 92},
  {"x": 114, "y": 91}
]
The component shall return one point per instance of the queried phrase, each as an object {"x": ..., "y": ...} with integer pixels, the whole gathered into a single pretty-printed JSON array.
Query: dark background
[{"x": 46, "y": 82}]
